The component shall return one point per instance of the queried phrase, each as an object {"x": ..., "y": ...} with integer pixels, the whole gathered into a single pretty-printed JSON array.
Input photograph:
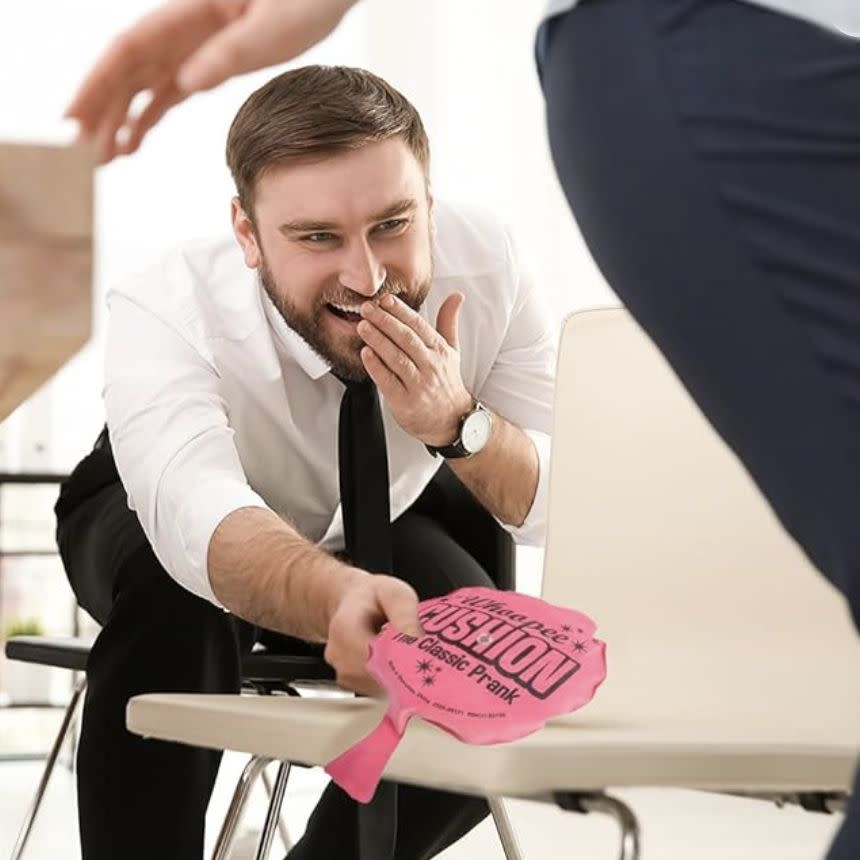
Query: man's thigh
[
  {"x": 430, "y": 560},
  {"x": 95, "y": 541}
]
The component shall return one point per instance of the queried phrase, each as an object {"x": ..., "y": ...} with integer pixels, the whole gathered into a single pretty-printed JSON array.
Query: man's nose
[{"x": 361, "y": 271}]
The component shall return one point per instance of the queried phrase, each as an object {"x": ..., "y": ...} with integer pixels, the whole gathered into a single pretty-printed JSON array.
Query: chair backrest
[{"x": 658, "y": 533}]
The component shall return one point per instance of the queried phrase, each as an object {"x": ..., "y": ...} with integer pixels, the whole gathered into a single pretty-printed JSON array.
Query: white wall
[{"x": 467, "y": 66}]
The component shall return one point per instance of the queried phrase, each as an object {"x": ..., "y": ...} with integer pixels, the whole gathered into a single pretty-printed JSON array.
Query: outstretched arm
[{"x": 186, "y": 46}]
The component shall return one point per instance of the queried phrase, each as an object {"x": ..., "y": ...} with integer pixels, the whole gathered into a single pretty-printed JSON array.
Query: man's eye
[
  {"x": 391, "y": 225},
  {"x": 316, "y": 238}
]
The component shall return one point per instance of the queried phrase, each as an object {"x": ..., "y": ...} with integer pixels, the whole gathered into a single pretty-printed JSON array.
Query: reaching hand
[
  {"x": 186, "y": 46},
  {"x": 362, "y": 609}
]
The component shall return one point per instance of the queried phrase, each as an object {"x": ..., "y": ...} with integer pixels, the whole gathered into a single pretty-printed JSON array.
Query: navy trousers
[{"x": 710, "y": 152}]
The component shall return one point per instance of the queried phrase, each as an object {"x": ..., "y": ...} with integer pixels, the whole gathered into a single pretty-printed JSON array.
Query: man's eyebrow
[
  {"x": 401, "y": 207},
  {"x": 307, "y": 226}
]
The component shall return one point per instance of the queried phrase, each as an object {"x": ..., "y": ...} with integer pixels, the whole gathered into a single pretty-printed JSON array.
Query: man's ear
[{"x": 246, "y": 236}]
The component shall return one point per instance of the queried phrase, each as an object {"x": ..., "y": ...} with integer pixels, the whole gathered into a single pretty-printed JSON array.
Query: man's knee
[{"x": 430, "y": 560}]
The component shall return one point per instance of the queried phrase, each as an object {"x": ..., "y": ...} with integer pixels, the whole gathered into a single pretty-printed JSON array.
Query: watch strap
[{"x": 456, "y": 450}]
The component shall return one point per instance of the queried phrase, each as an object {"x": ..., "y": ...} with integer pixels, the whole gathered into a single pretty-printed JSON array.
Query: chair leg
[
  {"x": 623, "y": 814},
  {"x": 29, "y": 819},
  {"x": 246, "y": 782},
  {"x": 74, "y": 730},
  {"x": 282, "y": 826},
  {"x": 273, "y": 813},
  {"x": 504, "y": 828}
]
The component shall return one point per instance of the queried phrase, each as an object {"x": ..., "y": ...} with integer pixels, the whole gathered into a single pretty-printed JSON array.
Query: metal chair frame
[{"x": 262, "y": 674}]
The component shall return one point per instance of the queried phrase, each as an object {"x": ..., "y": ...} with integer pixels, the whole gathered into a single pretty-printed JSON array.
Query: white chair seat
[{"x": 595, "y": 748}]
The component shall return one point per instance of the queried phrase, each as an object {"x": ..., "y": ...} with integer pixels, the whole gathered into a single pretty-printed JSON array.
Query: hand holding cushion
[{"x": 491, "y": 667}]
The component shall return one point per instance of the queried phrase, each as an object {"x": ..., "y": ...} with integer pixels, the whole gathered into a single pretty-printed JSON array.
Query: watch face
[{"x": 476, "y": 431}]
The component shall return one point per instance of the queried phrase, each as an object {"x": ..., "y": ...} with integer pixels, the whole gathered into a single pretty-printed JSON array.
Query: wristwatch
[{"x": 475, "y": 429}]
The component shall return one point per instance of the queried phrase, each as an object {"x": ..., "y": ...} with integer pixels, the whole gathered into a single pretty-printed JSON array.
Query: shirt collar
[{"x": 313, "y": 365}]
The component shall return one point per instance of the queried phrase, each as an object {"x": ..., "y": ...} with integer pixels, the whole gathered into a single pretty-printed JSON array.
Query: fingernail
[{"x": 387, "y": 301}]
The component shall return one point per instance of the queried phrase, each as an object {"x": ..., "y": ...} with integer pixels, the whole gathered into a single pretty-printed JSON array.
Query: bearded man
[{"x": 209, "y": 516}]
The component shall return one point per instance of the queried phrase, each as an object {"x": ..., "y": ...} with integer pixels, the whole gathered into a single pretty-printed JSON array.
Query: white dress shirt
[
  {"x": 215, "y": 404},
  {"x": 840, "y": 15}
]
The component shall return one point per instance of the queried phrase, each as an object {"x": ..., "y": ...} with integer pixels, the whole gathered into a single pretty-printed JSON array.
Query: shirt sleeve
[
  {"x": 521, "y": 385},
  {"x": 172, "y": 440}
]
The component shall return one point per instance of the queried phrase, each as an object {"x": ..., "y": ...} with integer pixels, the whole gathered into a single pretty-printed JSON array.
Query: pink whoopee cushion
[{"x": 493, "y": 666}]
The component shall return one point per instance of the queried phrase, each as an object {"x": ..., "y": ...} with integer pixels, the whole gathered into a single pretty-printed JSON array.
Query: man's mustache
[{"x": 391, "y": 286}]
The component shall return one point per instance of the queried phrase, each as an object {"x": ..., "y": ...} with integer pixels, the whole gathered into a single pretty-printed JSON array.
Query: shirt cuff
[
  {"x": 533, "y": 530},
  {"x": 200, "y": 514}
]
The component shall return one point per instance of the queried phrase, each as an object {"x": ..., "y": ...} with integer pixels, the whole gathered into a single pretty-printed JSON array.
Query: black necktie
[{"x": 363, "y": 472}]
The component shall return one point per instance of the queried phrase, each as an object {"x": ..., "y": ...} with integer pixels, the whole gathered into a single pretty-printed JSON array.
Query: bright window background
[{"x": 468, "y": 68}]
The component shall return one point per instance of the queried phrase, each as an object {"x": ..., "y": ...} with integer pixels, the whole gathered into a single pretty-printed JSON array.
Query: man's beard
[{"x": 342, "y": 353}]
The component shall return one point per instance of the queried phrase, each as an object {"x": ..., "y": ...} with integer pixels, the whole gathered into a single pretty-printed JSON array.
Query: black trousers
[
  {"x": 147, "y": 798},
  {"x": 710, "y": 151}
]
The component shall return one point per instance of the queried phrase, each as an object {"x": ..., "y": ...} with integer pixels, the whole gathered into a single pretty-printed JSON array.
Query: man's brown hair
[{"x": 314, "y": 112}]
